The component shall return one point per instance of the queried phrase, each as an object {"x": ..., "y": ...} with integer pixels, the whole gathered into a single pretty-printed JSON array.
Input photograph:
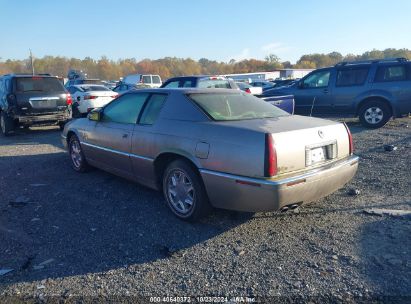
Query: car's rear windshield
[
  {"x": 94, "y": 88},
  {"x": 235, "y": 106},
  {"x": 208, "y": 83},
  {"x": 38, "y": 84},
  {"x": 90, "y": 81}
]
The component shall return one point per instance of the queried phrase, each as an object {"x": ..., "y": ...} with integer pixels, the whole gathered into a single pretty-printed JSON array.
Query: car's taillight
[
  {"x": 270, "y": 161},
  {"x": 69, "y": 100},
  {"x": 89, "y": 97},
  {"x": 351, "y": 142},
  {"x": 247, "y": 90}
]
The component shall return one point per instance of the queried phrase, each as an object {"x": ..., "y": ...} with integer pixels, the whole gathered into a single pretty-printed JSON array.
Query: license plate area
[
  {"x": 43, "y": 102},
  {"x": 320, "y": 153}
]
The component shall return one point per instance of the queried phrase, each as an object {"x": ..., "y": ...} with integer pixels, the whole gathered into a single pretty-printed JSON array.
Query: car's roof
[
  {"x": 196, "y": 76},
  {"x": 188, "y": 91},
  {"x": 88, "y": 85}
]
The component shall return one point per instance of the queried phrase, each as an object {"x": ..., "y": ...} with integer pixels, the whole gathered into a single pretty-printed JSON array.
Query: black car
[
  {"x": 32, "y": 99},
  {"x": 373, "y": 90},
  {"x": 204, "y": 82}
]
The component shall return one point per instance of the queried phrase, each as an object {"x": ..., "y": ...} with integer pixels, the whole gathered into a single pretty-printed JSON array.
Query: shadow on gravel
[
  {"x": 72, "y": 224},
  {"x": 385, "y": 245},
  {"x": 50, "y": 136}
]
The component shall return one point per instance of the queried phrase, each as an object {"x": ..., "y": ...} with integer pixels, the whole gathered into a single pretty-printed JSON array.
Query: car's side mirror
[
  {"x": 95, "y": 115},
  {"x": 78, "y": 98},
  {"x": 301, "y": 84}
]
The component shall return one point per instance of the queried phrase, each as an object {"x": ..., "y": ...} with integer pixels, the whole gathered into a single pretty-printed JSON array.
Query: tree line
[{"x": 105, "y": 68}]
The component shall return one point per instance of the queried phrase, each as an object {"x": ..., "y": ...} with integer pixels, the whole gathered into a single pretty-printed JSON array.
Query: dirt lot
[{"x": 68, "y": 235}]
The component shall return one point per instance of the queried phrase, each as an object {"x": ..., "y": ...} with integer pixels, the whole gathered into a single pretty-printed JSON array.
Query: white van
[{"x": 153, "y": 81}]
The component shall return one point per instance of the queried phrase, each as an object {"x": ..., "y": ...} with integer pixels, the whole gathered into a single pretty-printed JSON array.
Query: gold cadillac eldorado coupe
[{"x": 217, "y": 148}]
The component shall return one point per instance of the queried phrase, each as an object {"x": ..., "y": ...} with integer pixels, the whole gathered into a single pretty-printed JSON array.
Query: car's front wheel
[
  {"x": 374, "y": 114},
  {"x": 78, "y": 161},
  {"x": 6, "y": 124},
  {"x": 184, "y": 191}
]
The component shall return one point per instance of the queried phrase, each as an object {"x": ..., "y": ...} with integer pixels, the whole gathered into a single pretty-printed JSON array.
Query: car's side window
[
  {"x": 156, "y": 79},
  {"x": 125, "y": 109},
  {"x": 351, "y": 77},
  {"x": 391, "y": 73},
  {"x": 317, "y": 80},
  {"x": 172, "y": 84},
  {"x": 152, "y": 109},
  {"x": 188, "y": 84},
  {"x": 147, "y": 79}
]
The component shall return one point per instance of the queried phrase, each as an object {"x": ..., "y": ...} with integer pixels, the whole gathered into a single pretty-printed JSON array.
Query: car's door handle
[
  {"x": 326, "y": 91},
  {"x": 125, "y": 135}
]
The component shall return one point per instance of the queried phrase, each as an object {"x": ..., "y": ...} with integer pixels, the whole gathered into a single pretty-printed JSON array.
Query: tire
[
  {"x": 182, "y": 182},
  {"x": 6, "y": 124},
  {"x": 374, "y": 114},
  {"x": 77, "y": 158}
]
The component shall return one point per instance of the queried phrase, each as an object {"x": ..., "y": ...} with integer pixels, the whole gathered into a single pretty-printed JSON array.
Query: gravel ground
[{"x": 75, "y": 235}]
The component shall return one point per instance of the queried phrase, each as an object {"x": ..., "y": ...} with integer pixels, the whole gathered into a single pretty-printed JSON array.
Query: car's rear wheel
[
  {"x": 6, "y": 124},
  {"x": 78, "y": 161},
  {"x": 374, "y": 114},
  {"x": 184, "y": 191}
]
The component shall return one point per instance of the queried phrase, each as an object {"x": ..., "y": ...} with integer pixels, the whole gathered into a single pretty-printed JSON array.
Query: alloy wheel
[
  {"x": 75, "y": 153},
  {"x": 180, "y": 191},
  {"x": 373, "y": 115}
]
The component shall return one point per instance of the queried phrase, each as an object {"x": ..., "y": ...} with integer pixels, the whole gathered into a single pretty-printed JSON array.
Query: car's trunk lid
[{"x": 301, "y": 142}]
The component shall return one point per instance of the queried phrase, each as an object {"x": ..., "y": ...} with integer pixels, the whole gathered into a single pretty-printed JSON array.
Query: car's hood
[{"x": 280, "y": 91}]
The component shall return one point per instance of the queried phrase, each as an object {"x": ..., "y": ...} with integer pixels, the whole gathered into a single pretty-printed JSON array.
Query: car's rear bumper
[
  {"x": 254, "y": 195},
  {"x": 43, "y": 118}
]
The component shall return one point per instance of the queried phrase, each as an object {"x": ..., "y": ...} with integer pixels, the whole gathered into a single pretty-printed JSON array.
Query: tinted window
[
  {"x": 317, "y": 80},
  {"x": 351, "y": 77},
  {"x": 237, "y": 106},
  {"x": 391, "y": 73},
  {"x": 152, "y": 109},
  {"x": 214, "y": 83},
  {"x": 38, "y": 84},
  {"x": 146, "y": 79},
  {"x": 188, "y": 84},
  {"x": 124, "y": 109},
  {"x": 172, "y": 84},
  {"x": 156, "y": 79}
]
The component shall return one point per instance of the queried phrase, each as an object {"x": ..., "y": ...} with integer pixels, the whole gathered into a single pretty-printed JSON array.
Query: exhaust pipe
[{"x": 284, "y": 209}]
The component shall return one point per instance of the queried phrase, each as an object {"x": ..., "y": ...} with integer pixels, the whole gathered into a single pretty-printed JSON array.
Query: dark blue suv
[{"x": 373, "y": 90}]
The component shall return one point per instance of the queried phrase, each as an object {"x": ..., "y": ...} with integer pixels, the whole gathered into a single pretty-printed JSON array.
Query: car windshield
[
  {"x": 94, "y": 88},
  {"x": 38, "y": 84},
  {"x": 235, "y": 106},
  {"x": 214, "y": 82}
]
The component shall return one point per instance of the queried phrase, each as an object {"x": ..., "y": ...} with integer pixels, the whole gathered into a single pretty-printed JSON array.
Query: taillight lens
[
  {"x": 89, "y": 97},
  {"x": 69, "y": 100},
  {"x": 351, "y": 142},
  {"x": 270, "y": 163},
  {"x": 247, "y": 90}
]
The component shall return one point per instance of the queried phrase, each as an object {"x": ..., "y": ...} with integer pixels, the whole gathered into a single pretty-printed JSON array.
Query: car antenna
[{"x": 312, "y": 107}]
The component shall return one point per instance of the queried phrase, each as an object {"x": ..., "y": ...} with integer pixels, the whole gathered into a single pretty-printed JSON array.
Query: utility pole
[{"x": 31, "y": 60}]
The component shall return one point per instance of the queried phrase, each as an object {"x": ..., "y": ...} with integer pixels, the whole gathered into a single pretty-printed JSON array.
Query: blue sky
[{"x": 214, "y": 29}]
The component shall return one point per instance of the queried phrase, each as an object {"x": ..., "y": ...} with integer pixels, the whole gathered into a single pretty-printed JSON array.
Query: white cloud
[
  {"x": 245, "y": 54},
  {"x": 275, "y": 47}
]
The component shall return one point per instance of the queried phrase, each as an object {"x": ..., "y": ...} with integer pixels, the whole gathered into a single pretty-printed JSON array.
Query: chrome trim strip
[
  {"x": 64, "y": 137},
  {"x": 351, "y": 160},
  {"x": 117, "y": 152}
]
